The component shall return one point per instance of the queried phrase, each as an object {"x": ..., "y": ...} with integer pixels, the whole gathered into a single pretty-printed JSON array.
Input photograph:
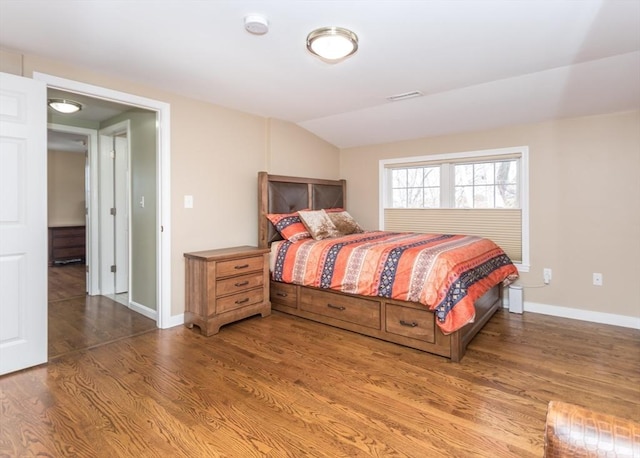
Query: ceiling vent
[{"x": 406, "y": 95}]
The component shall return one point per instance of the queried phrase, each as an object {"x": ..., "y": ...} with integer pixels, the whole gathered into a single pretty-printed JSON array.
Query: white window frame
[{"x": 385, "y": 164}]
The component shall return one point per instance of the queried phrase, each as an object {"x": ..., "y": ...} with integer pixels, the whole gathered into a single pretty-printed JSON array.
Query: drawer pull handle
[
  {"x": 337, "y": 307},
  {"x": 242, "y": 301},
  {"x": 243, "y": 283},
  {"x": 243, "y": 266},
  {"x": 281, "y": 294},
  {"x": 413, "y": 324}
]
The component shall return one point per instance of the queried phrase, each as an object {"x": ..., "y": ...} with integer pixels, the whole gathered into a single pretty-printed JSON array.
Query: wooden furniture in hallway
[{"x": 67, "y": 244}]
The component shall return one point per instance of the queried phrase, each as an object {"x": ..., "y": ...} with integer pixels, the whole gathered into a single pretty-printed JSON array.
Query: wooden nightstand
[{"x": 226, "y": 285}]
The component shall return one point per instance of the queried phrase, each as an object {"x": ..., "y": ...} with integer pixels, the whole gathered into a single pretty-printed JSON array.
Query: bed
[{"x": 372, "y": 312}]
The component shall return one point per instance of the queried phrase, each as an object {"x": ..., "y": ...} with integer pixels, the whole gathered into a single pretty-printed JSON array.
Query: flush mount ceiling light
[
  {"x": 332, "y": 43},
  {"x": 64, "y": 106}
]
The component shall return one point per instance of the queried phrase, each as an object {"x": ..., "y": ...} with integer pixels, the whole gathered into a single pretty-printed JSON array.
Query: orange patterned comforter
[{"x": 447, "y": 273}]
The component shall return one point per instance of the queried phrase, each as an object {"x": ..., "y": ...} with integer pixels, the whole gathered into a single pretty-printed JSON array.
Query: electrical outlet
[
  {"x": 546, "y": 275},
  {"x": 597, "y": 279}
]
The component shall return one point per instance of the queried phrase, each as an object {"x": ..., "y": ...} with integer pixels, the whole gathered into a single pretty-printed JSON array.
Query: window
[
  {"x": 478, "y": 193},
  {"x": 416, "y": 187},
  {"x": 486, "y": 185},
  {"x": 478, "y": 184}
]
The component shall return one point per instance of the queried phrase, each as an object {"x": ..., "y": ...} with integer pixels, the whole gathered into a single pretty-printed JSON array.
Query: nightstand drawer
[
  {"x": 242, "y": 299},
  {"x": 240, "y": 283},
  {"x": 239, "y": 266}
]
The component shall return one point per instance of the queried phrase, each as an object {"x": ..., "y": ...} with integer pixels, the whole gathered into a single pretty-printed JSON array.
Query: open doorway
[
  {"x": 120, "y": 144},
  {"x": 146, "y": 173},
  {"x": 156, "y": 233},
  {"x": 96, "y": 187}
]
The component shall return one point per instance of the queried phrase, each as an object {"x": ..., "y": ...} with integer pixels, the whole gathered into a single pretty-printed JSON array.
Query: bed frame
[{"x": 405, "y": 323}]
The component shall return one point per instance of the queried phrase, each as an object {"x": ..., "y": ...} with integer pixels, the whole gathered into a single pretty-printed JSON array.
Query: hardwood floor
[
  {"x": 283, "y": 386},
  {"x": 78, "y": 321},
  {"x": 66, "y": 281}
]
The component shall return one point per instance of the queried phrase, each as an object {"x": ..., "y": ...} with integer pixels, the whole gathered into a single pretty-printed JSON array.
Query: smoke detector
[{"x": 256, "y": 25}]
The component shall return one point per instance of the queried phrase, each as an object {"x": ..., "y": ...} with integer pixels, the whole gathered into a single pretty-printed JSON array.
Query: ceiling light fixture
[
  {"x": 332, "y": 43},
  {"x": 65, "y": 106}
]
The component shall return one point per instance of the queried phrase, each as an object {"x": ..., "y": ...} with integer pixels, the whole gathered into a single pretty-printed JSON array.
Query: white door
[{"x": 23, "y": 224}]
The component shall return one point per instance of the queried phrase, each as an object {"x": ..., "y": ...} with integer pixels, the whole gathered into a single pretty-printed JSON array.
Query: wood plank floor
[
  {"x": 282, "y": 386},
  {"x": 77, "y": 321}
]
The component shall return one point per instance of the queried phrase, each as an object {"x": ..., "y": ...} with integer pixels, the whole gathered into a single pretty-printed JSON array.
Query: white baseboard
[
  {"x": 584, "y": 315},
  {"x": 144, "y": 310},
  {"x": 175, "y": 320}
]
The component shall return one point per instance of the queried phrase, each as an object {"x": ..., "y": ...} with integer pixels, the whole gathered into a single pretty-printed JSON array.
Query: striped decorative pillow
[{"x": 289, "y": 225}]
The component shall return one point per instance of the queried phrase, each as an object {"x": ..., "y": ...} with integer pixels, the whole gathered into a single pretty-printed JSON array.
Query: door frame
[
  {"x": 163, "y": 155},
  {"x": 108, "y": 248},
  {"x": 91, "y": 193}
]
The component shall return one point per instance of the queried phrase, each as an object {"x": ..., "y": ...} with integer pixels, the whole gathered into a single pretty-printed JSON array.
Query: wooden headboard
[{"x": 283, "y": 194}]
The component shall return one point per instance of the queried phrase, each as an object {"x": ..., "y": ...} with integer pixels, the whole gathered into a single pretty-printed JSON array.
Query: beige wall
[
  {"x": 65, "y": 188},
  {"x": 216, "y": 154},
  {"x": 298, "y": 152},
  {"x": 10, "y": 62},
  {"x": 583, "y": 186},
  {"x": 584, "y": 211}
]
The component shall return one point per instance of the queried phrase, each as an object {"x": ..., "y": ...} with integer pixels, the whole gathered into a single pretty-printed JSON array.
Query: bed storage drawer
[
  {"x": 284, "y": 294},
  {"x": 409, "y": 322},
  {"x": 353, "y": 309}
]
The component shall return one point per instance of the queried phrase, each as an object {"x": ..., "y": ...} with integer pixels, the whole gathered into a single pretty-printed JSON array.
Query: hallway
[{"x": 78, "y": 321}]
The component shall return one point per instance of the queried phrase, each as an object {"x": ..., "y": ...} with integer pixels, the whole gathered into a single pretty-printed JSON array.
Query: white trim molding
[
  {"x": 583, "y": 315},
  {"x": 143, "y": 310},
  {"x": 176, "y": 320}
]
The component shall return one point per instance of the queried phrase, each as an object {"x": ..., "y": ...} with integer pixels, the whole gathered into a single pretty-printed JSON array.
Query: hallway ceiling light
[
  {"x": 65, "y": 106},
  {"x": 332, "y": 43}
]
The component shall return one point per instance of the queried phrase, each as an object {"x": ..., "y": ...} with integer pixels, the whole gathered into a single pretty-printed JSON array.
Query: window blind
[{"x": 503, "y": 226}]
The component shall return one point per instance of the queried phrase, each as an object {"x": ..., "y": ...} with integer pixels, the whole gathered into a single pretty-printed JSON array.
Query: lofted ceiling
[{"x": 479, "y": 63}]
